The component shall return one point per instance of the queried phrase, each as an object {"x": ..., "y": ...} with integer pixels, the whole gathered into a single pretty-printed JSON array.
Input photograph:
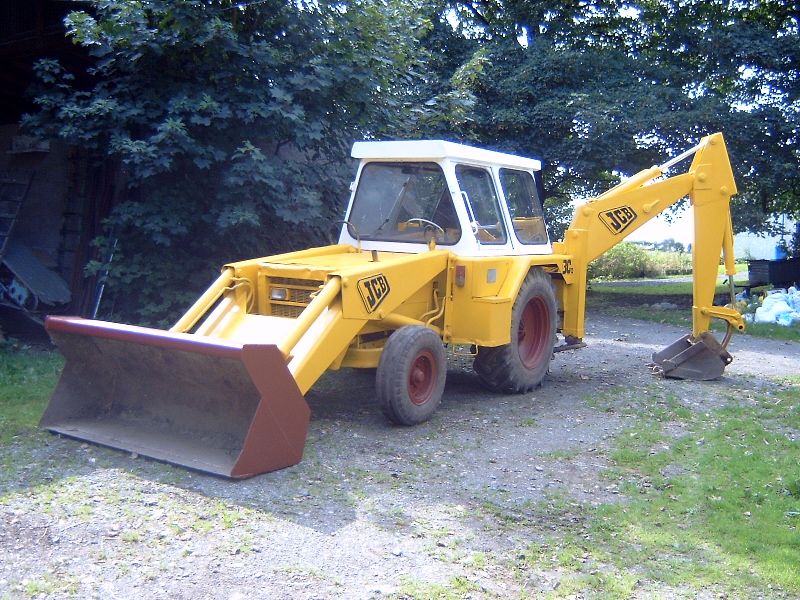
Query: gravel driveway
[{"x": 372, "y": 509}]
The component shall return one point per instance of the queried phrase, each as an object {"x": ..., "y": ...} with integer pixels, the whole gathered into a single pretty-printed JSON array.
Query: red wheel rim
[
  {"x": 422, "y": 378},
  {"x": 532, "y": 337}
]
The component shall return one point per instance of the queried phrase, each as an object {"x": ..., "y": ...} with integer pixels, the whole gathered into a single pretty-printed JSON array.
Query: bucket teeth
[{"x": 702, "y": 358}]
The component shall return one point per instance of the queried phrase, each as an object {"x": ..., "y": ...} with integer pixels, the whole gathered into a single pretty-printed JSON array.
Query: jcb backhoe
[{"x": 442, "y": 244}]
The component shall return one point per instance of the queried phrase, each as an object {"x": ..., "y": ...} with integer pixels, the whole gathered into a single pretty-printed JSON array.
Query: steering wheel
[
  {"x": 427, "y": 222},
  {"x": 478, "y": 227},
  {"x": 536, "y": 238},
  {"x": 485, "y": 232}
]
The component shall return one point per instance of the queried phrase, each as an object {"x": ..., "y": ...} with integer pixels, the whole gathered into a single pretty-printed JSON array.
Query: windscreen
[{"x": 404, "y": 202}]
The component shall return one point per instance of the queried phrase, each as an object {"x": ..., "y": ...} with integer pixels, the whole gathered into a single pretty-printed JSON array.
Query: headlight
[{"x": 278, "y": 293}]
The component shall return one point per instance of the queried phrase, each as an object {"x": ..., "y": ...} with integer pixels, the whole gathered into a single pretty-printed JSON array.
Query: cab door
[{"x": 482, "y": 202}]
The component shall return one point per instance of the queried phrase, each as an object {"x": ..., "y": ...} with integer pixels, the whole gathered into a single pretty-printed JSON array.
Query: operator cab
[{"x": 471, "y": 201}]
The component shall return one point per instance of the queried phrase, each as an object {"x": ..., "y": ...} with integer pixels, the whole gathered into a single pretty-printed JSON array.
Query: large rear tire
[
  {"x": 411, "y": 375},
  {"x": 521, "y": 365}
]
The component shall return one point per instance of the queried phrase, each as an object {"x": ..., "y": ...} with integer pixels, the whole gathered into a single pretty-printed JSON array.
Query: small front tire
[{"x": 411, "y": 375}]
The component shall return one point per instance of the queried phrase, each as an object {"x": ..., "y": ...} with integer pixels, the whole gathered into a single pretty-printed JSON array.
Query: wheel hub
[
  {"x": 421, "y": 378},
  {"x": 533, "y": 328}
]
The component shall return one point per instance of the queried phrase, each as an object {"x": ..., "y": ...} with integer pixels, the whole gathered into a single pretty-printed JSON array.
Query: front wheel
[
  {"x": 521, "y": 365},
  {"x": 411, "y": 375}
]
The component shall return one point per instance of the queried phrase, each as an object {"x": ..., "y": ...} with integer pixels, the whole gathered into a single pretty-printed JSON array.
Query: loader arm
[
  {"x": 222, "y": 391},
  {"x": 607, "y": 220}
]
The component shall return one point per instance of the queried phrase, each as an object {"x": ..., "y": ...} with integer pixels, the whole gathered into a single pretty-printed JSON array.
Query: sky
[
  {"x": 746, "y": 245},
  {"x": 681, "y": 229}
]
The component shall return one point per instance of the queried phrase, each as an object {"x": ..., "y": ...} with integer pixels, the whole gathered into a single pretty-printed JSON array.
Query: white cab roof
[{"x": 435, "y": 150}]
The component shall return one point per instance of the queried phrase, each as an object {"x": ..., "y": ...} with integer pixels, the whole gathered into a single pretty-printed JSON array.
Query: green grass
[
  {"x": 629, "y": 301},
  {"x": 739, "y": 267},
  {"x": 28, "y": 377},
  {"x": 774, "y": 331},
  {"x": 667, "y": 288},
  {"x": 682, "y": 318},
  {"x": 732, "y": 504},
  {"x": 455, "y": 589},
  {"x": 717, "y": 509}
]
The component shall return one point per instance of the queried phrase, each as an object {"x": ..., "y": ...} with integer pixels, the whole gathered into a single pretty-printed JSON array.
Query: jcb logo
[
  {"x": 373, "y": 290},
  {"x": 618, "y": 219}
]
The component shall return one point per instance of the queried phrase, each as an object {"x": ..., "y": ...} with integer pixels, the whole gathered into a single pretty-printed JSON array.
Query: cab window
[
  {"x": 523, "y": 202},
  {"x": 482, "y": 204},
  {"x": 404, "y": 202}
]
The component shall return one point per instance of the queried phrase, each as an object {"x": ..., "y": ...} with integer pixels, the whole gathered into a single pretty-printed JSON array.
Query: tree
[
  {"x": 596, "y": 85},
  {"x": 232, "y": 121}
]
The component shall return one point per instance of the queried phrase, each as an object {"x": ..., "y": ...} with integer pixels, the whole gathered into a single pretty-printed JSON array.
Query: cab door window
[
  {"x": 482, "y": 203},
  {"x": 524, "y": 205}
]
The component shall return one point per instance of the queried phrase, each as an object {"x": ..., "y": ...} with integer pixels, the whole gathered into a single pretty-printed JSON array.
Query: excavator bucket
[
  {"x": 702, "y": 358},
  {"x": 204, "y": 403}
]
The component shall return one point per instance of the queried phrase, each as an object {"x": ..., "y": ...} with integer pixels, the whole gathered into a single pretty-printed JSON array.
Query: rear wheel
[
  {"x": 521, "y": 365},
  {"x": 411, "y": 375}
]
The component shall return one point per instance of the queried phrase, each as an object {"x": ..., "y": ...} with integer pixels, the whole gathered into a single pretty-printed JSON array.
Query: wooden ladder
[{"x": 13, "y": 190}]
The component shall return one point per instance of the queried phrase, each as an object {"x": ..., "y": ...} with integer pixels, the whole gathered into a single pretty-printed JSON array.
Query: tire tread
[{"x": 391, "y": 379}]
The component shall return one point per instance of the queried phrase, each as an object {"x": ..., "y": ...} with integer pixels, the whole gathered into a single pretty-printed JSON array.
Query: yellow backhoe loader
[{"x": 441, "y": 244}]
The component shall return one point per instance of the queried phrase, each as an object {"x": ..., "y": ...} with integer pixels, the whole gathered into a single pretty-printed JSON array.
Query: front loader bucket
[
  {"x": 204, "y": 403},
  {"x": 702, "y": 358}
]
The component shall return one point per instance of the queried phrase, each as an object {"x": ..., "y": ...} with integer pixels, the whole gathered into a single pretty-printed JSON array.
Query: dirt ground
[{"x": 372, "y": 510}]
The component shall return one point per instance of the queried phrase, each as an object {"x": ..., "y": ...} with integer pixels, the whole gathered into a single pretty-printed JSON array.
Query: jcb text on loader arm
[{"x": 443, "y": 244}]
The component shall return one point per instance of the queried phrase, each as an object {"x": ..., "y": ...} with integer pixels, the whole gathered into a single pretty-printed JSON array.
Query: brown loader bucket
[
  {"x": 702, "y": 358},
  {"x": 204, "y": 403}
]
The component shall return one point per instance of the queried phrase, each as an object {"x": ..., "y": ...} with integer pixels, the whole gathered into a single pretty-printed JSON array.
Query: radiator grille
[
  {"x": 299, "y": 295},
  {"x": 284, "y": 310}
]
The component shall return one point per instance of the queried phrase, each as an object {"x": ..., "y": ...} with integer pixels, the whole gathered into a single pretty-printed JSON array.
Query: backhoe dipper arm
[{"x": 605, "y": 221}]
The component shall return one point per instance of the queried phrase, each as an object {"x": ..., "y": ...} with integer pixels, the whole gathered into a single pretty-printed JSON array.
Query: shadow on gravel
[
  {"x": 478, "y": 448},
  {"x": 353, "y": 454}
]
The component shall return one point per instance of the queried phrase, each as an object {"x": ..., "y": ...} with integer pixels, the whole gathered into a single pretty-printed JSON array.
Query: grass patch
[
  {"x": 651, "y": 404},
  {"x": 47, "y": 584},
  {"x": 635, "y": 301},
  {"x": 27, "y": 378},
  {"x": 633, "y": 307},
  {"x": 739, "y": 267},
  {"x": 717, "y": 509},
  {"x": 774, "y": 331},
  {"x": 672, "y": 288},
  {"x": 455, "y": 589},
  {"x": 565, "y": 454},
  {"x": 598, "y": 584}
]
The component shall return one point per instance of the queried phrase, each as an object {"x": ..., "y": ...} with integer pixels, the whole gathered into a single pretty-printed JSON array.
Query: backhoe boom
[{"x": 607, "y": 220}]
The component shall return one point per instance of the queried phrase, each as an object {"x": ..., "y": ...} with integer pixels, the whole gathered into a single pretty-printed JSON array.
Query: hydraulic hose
[{"x": 729, "y": 329}]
